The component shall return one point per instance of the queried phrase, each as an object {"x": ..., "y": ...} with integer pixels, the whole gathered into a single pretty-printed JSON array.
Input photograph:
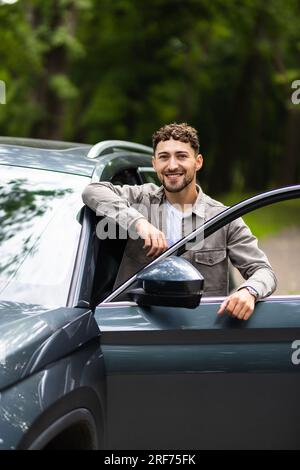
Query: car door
[{"x": 186, "y": 379}]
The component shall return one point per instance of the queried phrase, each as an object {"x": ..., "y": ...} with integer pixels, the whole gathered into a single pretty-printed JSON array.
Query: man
[{"x": 159, "y": 217}]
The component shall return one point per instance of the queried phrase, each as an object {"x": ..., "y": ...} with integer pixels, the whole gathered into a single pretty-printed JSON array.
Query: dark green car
[{"x": 83, "y": 367}]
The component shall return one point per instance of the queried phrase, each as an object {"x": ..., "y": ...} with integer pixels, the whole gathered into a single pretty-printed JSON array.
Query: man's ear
[
  {"x": 154, "y": 162},
  {"x": 199, "y": 162}
]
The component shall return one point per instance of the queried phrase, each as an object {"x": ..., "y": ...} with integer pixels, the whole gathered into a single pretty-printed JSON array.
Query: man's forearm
[
  {"x": 263, "y": 280},
  {"x": 106, "y": 200},
  {"x": 251, "y": 261}
]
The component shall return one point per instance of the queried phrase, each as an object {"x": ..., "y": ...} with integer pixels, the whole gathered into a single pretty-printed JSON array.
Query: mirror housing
[{"x": 172, "y": 282}]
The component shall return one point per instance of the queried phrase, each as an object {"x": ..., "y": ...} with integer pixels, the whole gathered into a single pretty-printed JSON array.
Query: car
[{"x": 147, "y": 365}]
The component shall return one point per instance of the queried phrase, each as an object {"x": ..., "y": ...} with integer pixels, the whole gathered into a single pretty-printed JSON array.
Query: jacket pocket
[
  {"x": 210, "y": 257},
  {"x": 213, "y": 265}
]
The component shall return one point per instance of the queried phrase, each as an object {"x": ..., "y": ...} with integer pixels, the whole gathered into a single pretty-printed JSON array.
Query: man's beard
[{"x": 177, "y": 187}]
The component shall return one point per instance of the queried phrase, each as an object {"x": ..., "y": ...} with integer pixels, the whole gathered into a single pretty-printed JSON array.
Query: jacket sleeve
[
  {"x": 115, "y": 202},
  {"x": 250, "y": 260}
]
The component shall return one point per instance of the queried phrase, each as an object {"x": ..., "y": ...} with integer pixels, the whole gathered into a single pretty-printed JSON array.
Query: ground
[{"x": 283, "y": 251}]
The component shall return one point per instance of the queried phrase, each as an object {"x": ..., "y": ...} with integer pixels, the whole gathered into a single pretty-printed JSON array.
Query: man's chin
[{"x": 173, "y": 188}]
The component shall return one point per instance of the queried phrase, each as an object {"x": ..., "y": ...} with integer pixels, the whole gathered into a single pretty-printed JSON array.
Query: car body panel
[
  {"x": 199, "y": 381},
  {"x": 29, "y": 408},
  {"x": 127, "y": 317},
  {"x": 33, "y": 337},
  {"x": 212, "y": 410}
]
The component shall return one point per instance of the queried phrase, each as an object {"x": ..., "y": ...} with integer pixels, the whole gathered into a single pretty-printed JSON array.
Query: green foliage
[
  {"x": 98, "y": 69},
  {"x": 62, "y": 86},
  {"x": 268, "y": 220}
]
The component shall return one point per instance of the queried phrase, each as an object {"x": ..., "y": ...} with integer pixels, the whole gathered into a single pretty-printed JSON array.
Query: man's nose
[{"x": 173, "y": 164}]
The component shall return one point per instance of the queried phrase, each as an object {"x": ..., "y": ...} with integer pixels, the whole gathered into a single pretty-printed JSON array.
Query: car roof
[
  {"x": 66, "y": 157},
  {"x": 72, "y": 157}
]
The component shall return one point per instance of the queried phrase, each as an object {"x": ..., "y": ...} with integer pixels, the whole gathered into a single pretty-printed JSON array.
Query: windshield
[{"x": 39, "y": 234}]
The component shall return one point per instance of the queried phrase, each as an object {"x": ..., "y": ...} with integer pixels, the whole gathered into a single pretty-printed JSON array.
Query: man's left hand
[{"x": 240, "y": 304}]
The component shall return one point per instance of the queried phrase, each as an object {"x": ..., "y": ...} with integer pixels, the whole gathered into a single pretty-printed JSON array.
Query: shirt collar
[{"x": 198, "y": 207}]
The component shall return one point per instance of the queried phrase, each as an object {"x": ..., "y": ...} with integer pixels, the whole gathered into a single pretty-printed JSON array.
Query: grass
[{"x": 268, "y": 220}]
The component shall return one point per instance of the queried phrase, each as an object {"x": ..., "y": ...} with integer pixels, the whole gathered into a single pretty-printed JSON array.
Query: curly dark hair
[{"x": 182, "y": 132}]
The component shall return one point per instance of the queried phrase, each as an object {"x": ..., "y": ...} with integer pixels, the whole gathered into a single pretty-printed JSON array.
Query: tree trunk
[
  {"x": 290, "y": 160},
  {"x": 55, "y": 62}
]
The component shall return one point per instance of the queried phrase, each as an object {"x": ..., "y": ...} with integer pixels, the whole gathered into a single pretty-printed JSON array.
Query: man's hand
[
  {"x": 155, "y": 240},
  {"x": 240, "y": 304}
]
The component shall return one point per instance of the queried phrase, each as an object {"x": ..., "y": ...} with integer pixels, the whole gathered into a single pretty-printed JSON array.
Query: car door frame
[{"x": 214, "y": 224}]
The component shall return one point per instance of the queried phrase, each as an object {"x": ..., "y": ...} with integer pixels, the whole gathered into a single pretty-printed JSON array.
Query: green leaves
[{"x": 96, "y": 69}]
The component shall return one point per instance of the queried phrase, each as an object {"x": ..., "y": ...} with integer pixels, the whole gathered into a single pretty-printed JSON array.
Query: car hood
[{"x": 33, "y": 336}]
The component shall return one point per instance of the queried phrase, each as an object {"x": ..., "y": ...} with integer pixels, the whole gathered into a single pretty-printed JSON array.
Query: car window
[
  {"x": 148, "y": 175},
  {"x": 277, "y": 228},
  {"x": 39, "y": 234},
  {"x": 127, "y": 176}
]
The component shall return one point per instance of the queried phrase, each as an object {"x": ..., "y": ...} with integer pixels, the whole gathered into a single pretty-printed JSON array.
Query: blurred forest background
[{"x": 87, "y": 70}]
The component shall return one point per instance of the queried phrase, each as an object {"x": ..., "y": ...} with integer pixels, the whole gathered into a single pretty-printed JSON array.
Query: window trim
[{"x": 81, "y": 259}]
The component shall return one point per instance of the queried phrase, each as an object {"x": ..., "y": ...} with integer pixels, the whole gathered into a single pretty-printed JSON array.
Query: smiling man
[{"x": 160, "y": 216}]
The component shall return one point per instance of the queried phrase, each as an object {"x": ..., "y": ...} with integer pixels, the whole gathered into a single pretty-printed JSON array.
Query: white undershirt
[{"x": 174, "y": 223}]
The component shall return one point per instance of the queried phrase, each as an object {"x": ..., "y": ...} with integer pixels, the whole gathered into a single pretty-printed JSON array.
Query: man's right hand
[{"x": 155, "y": 240}]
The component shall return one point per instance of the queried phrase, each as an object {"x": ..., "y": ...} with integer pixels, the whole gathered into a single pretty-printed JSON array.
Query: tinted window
[
  {"x": 149, "y": 175},
  {"x": 39, "y": 234}
]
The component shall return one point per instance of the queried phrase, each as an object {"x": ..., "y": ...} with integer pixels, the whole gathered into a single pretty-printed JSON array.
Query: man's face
[{"x": 176, "y": 164}]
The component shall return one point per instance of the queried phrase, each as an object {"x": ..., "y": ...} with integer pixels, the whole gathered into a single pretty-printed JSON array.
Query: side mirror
[{"x": 172, "y": 282}]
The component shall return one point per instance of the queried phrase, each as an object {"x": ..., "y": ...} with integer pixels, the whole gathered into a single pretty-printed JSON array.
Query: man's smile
[{"x": 173, "y": 176}]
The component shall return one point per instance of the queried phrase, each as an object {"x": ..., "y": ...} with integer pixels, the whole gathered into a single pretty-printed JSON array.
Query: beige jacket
[{"x": 126, "y": 204}]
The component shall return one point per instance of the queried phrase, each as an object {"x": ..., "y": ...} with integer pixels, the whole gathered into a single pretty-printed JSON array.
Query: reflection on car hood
[{"x": 32, "y": 336}]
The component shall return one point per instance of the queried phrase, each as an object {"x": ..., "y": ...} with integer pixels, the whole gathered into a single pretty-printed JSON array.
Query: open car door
[{"x": 181, "y": 378}]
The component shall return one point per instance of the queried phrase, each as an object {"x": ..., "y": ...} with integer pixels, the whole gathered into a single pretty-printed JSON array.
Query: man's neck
[{"x": 185, "y": 198}]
